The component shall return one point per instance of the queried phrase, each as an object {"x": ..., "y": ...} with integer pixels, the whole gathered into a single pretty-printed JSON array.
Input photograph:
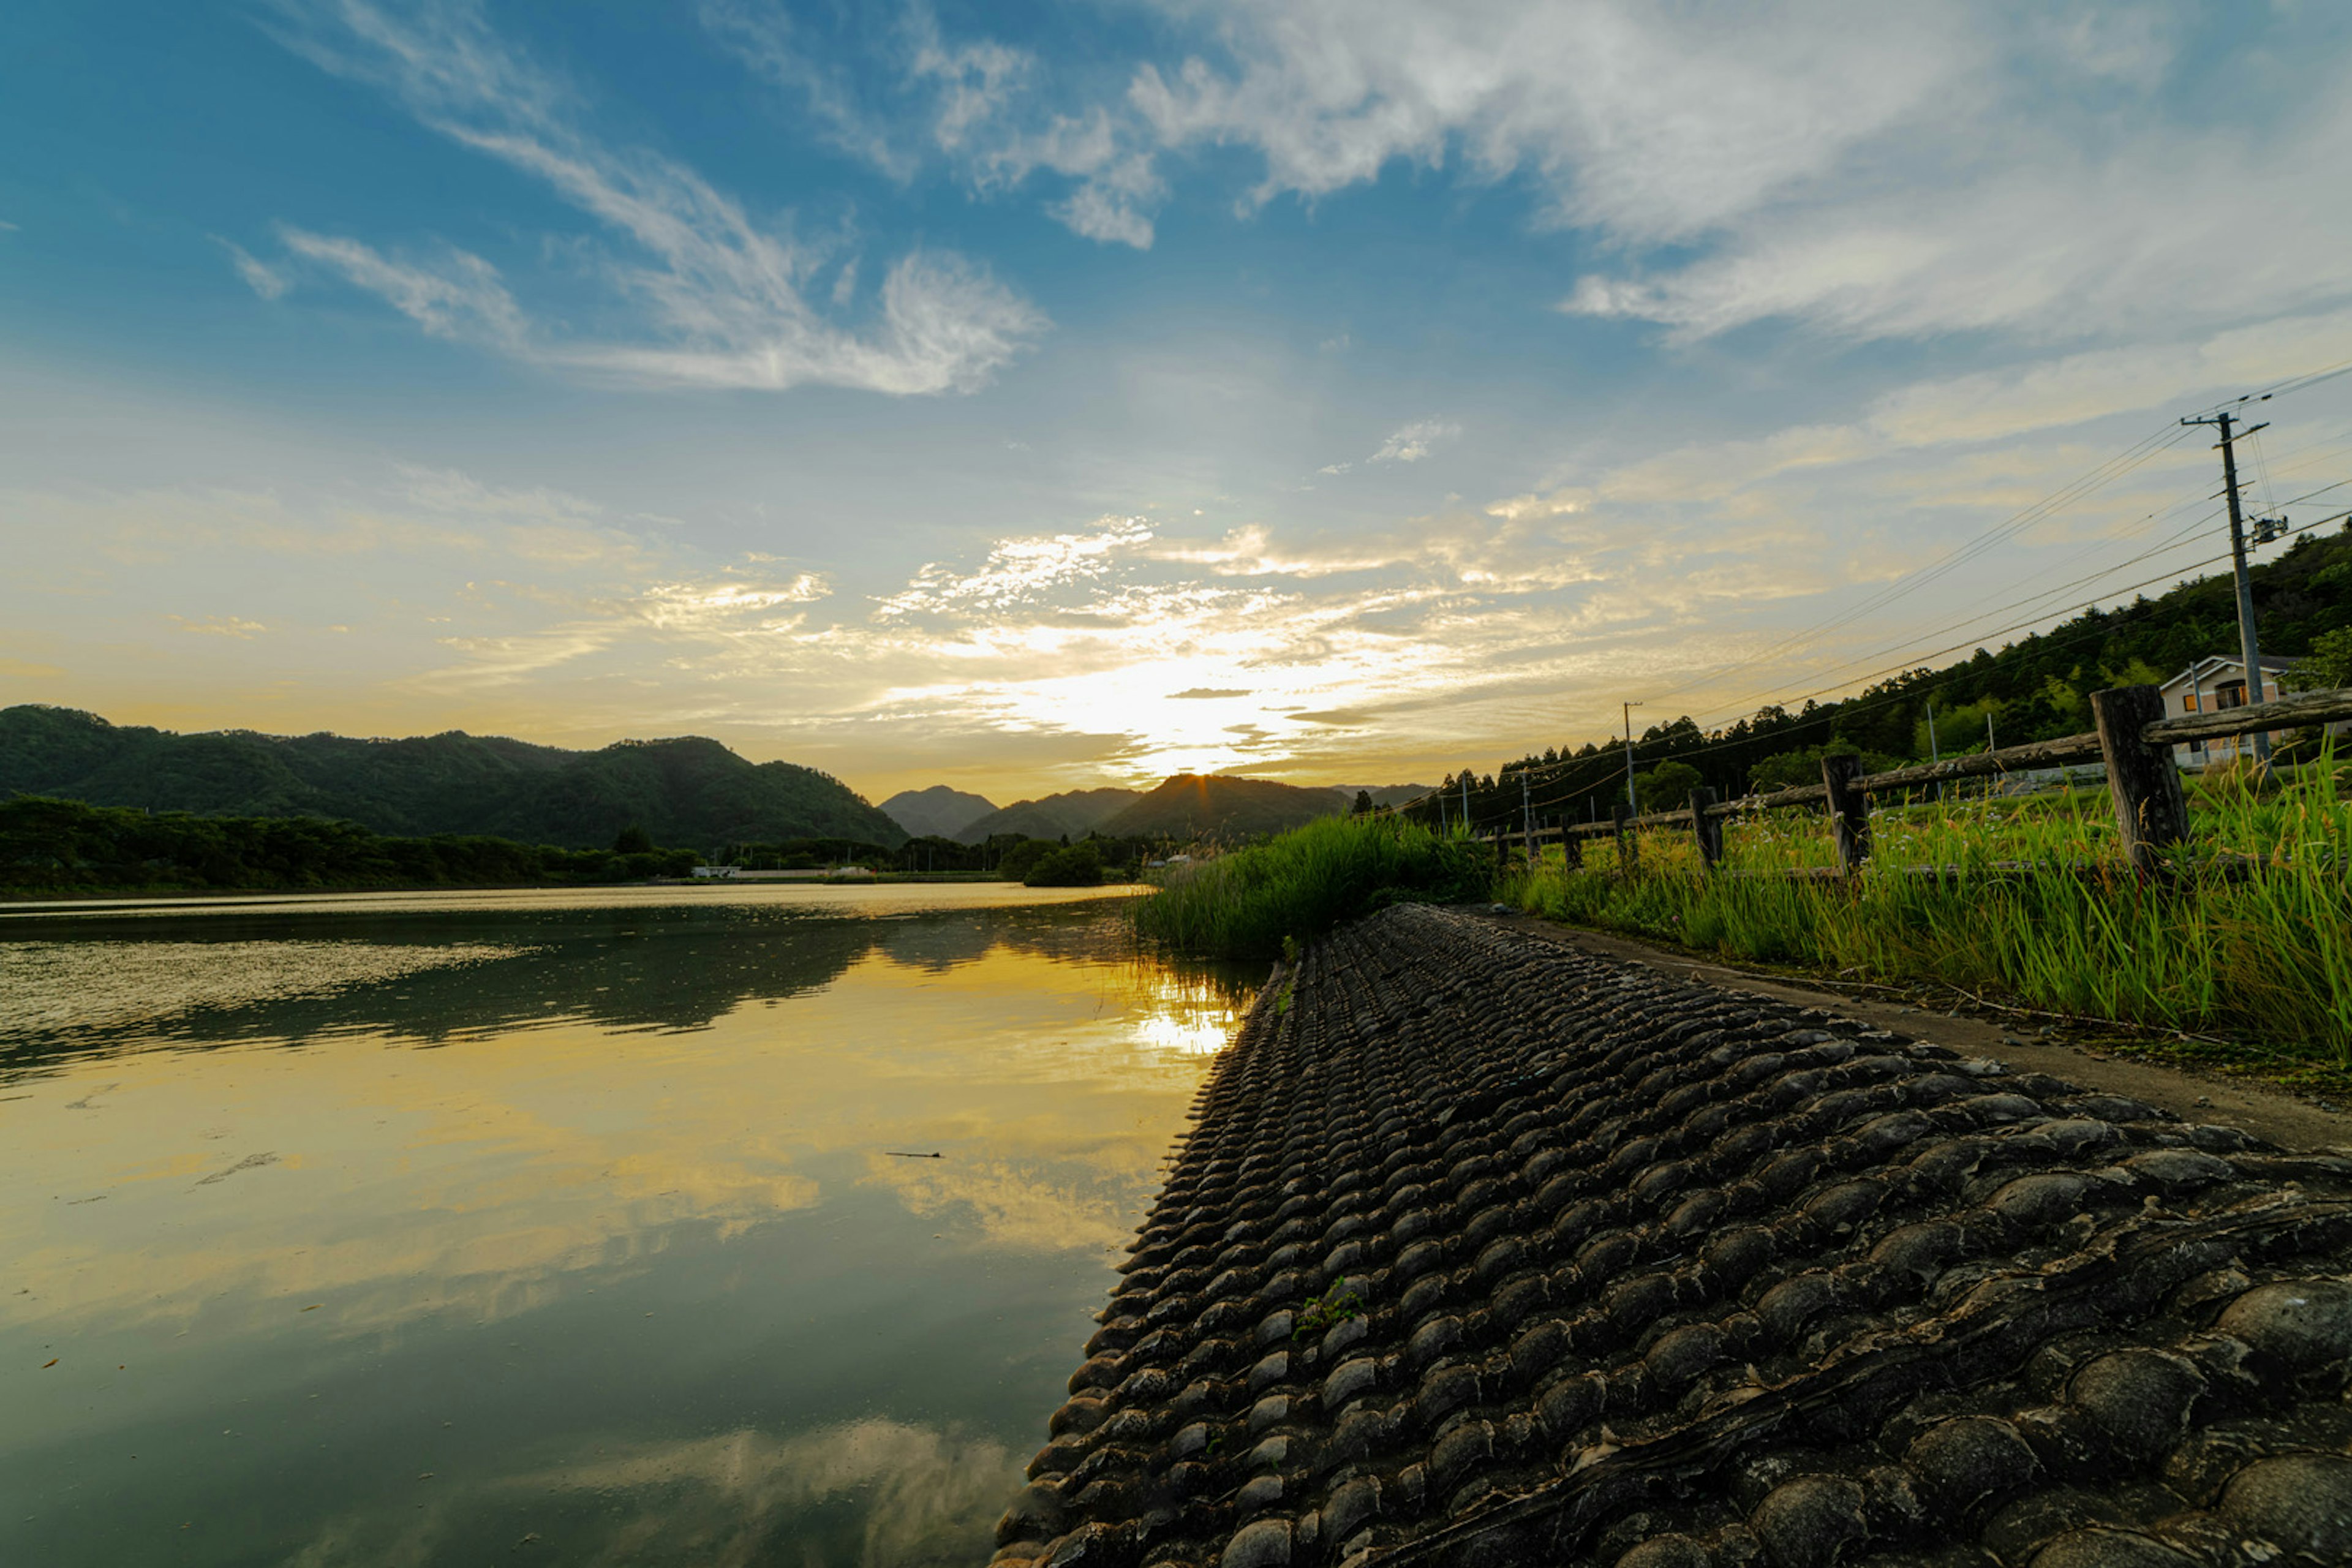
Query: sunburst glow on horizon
[{"x": 1029, "y": 402}]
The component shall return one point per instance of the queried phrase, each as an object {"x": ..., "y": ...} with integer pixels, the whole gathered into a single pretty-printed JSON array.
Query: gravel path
[{"x": 1617, "y": 1269}]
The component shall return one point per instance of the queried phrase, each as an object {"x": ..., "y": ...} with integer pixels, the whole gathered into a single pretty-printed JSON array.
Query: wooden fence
[{"x": 2133, "y": 739}]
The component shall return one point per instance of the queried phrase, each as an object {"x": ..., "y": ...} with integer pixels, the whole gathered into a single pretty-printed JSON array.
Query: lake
[{"x": 564, "y": 1227}]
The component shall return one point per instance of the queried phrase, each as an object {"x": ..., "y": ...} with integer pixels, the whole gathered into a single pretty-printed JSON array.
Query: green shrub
[
  {"x": 1016, "y": 862},
  {"x": 1079, "y": 866},
  {"x": 1302, "y": 883}
]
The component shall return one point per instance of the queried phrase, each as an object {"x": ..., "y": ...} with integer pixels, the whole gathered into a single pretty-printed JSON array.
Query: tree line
[
  {"x": 54, "y": 847},
  {"x": 2037, "y": 688}
]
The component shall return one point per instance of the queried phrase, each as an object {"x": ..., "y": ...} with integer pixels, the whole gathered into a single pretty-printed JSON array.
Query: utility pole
[
  {"x": 2266, "y": 529},
  {"x": 1631, "y": 803},
  {"x": 1465, "y": 800},
  {"x": 1934, "y": 755},
  {"x": 1528, "y": 815}
]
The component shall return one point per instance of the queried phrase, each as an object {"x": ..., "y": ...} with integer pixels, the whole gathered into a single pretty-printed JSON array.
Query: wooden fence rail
[{"x": 2134, "y": 740}]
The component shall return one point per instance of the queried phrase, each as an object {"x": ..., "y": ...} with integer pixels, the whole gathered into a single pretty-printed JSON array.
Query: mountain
[
  {"x": 1385, "y": 795},
  {"x": 937, "y": 811},
  {"x": 1191, "y": 805},
  {"x": 1074, "y": 812},
  {"x": 690, "y": 791}
]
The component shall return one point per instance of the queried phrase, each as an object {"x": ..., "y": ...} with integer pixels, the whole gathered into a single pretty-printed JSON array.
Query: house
[{"x": 2215, "y": 682}]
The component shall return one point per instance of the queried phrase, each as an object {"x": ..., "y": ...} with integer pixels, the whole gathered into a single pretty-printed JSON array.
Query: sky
[{"x": 1031, "y": 397}]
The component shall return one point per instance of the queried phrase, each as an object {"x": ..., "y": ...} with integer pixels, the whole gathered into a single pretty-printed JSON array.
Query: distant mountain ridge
[
  {"x": 688, "y": 791},
  {"x": 1074, "y": 812},
  {"x": 1210, "y": 805},
  {"x": 936, "y": 812}
]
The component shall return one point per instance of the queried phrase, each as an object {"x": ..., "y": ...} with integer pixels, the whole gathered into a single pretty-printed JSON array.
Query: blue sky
[{"x": 1031, "y": 398}]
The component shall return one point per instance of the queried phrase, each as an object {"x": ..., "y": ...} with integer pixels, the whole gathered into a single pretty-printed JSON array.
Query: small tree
[
  {"x": 1667, "y": 786},
  {"x": 2327, "y": 664},
  {"x": 1363, "y": 806},
  {"x": 633, "y": 840}
]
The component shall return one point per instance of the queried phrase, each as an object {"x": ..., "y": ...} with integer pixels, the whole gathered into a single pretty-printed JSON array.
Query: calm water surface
[{"x": 563, "y": 1227}]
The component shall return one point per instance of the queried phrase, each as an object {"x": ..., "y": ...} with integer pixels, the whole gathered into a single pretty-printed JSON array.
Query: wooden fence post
[
  {"x": 2150, "y": 811},
  {"x": 1628, "y": 852},
  {"x": 1849, "y": 810},
  {"x": 1708, "y": 830}
]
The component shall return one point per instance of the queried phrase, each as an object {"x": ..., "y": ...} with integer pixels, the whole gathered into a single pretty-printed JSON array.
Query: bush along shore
[
  {"x": 63, "y": 847},
  {"x": 2249, "y": 936},
  {"x": 1253, "y": 902}
]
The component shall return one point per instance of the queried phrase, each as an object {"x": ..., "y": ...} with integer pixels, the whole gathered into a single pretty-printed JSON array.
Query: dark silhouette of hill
[
  {"x": 937, "y": 812},
  {"x": 1074, "y": 812},
  {"x": 1385, "y": 795},
  {"x": 689, "y": 791},
  {"x": 1193, "y": 804}
]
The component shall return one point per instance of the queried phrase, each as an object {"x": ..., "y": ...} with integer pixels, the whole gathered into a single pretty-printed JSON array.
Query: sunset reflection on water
[{"x": 602, "y": 1217}]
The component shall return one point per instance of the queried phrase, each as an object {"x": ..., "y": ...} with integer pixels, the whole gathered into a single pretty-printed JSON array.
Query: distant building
[
  {"x": 724, "y": 872},
  {"x": 2213, "y": 683}
]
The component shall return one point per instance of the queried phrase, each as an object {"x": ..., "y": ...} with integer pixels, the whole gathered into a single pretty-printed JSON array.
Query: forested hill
[
  {"x": 1193, "y": 804},
  {"x": 2035, "y": 689},
  {"x": 1073, "y": 814},
  {"x": 689, "y": 792}
]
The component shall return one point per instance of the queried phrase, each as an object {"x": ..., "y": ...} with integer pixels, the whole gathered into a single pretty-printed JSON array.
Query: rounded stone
[
  {"x": 1681, "y": 1355},
  {"x": 2179, "y": 1170},
  {"x": 1269, "y": 1371},
  {"x": 2302, "y": 1502},
  {"x": 1268, "y": 1411},
  {"x": 1262, "y": 1543},
  {"x": 1349, "y": 1380},
  {"x": 2040, "y": 1200},
  {"x": 1810, "y": 1523},
  {"x": 1349, "y": 1506},
  {"x": 2138, "y": 1398},
  {"x": 2303, "y": 1323},
  {"x": 1262, "y": 1492},
  {"x": 1788, "y": 1306},
  {"x": 1570, "y": 1405},
  {"x": 1921, "y": 1251},
  {"x": 1846, "y": 1205},
  {"x": 1969, "y": 1461},
  {"x": 1035, "y": 1514},
  {"x": 1667, "y": 1552},
  {"x": 1433, "y": 1339},
  {"x": 2099, "y": 1548}
]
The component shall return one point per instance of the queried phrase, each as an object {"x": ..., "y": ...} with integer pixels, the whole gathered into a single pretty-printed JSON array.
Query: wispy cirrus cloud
[
  {"x": 259, "y": 276},
  {"x": 976, "y": 104},
  {"x": 726, "y": 299},
  {"x": 1411, "y": 443}
]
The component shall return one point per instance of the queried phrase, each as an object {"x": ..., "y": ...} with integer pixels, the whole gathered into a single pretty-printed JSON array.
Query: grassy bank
[
  {"x": 1302, "y": 883},
  {"x": 2265, "y": 958}
]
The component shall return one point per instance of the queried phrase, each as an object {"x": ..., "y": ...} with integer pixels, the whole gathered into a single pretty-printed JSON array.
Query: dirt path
[{"x": 2272, "y": 1114}]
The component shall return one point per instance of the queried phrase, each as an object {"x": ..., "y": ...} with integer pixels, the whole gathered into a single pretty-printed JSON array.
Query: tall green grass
[
  {"x": 1302, "y": 883},
  {"x": 2267, "y": 957}
]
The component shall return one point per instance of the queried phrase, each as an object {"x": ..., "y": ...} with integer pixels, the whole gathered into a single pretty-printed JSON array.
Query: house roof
[{"x": 2207, "y": 667}]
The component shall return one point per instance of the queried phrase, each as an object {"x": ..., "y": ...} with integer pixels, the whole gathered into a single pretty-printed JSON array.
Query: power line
[
  {"x": 2115, "y": 467},
  {"x": 1606, "y": 762}
]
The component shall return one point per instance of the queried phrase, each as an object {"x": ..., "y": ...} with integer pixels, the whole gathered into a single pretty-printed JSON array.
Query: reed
[
  {"x": 2265, "y": 957},
  {"x": 1300, "y": 884}
]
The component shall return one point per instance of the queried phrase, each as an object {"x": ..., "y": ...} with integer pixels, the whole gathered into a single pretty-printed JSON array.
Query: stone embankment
[{"x": 1488, "y": 1251}]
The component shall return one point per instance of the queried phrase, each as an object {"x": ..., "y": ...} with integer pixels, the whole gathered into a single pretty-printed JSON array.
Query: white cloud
[
  {"x": 261, "y": 278},
  {"x": 461, "y": 298},
  {"x": 1412, "y": 444},
  {"x": 764, "y": 39},
  {"x": 725, "y": 294}
]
